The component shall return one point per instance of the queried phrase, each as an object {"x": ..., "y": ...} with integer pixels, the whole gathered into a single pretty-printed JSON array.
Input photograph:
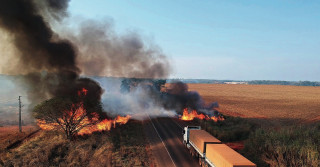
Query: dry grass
[
  {"x": 130, "y": 145},
  {"x": 123, "y": 146},
  {"x": 278, "y": 102},
  {"x": 10, "y": 134}
]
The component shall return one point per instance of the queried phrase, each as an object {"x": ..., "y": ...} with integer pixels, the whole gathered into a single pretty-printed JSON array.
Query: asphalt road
[{"x": 165, "y": 137}]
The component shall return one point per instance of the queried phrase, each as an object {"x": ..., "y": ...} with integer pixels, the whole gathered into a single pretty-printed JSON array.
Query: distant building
[{"x": 237, "y": 83}]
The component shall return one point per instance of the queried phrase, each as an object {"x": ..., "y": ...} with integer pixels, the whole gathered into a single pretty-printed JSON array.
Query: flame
[
  {"x": 218, "y": 118},
  {"x": 104, "y": 125},
  {"x": 83, "y": 92},
  {"x": 186, "y": 116},
  {"x": 190, "y": 116},
  {"x": 79, "y": 115},
  {"x": 43, "y": 125}
]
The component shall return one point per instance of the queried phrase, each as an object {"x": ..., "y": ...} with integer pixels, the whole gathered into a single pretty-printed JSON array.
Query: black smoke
[
  {"x": 51, "y": 65},
  {"x": 175, "y": 96},
  {"x": 47, "y": 62},
  {"x": 179, "y": 97}
]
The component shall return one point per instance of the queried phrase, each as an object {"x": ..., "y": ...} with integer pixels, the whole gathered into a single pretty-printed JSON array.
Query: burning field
[
  {"x": 81, "y": 117},
  {"x": 88, "y": 119}
]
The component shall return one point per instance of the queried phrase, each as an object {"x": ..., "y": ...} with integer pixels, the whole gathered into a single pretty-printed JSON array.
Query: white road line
[{"x": 162, "y": 142}]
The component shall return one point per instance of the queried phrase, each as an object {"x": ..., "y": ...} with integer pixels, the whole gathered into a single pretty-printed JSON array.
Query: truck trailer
[{"x": 210, "y": 151}]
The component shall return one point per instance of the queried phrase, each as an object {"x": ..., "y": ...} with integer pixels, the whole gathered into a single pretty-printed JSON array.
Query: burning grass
[
  {"x": 74, "y": 118},
  {"x": 189, "y": 116},
  {"x": 123, "y": 146}
]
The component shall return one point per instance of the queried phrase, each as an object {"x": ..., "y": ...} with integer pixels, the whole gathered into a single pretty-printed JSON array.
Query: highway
[{"x": 165, "y": 138}]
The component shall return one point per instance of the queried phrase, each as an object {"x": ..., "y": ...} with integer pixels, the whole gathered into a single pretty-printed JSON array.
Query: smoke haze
[{"x": 50, "y": 63}]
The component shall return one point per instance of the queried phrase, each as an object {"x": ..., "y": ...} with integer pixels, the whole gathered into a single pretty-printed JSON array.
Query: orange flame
[
  {"x": 190, "y": 116},
  {"x": 79, "y": 116},
  {"x": 83, "y": 92},
  {"x": 193, "y": 114}
]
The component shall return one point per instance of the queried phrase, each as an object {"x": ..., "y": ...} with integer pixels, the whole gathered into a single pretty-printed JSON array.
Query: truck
[{"x": 210, "y": 151}]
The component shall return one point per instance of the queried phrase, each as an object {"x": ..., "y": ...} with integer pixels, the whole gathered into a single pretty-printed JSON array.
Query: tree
[
  {"x": 159, "y": 83},
  {"x": 67, "y": 114}
]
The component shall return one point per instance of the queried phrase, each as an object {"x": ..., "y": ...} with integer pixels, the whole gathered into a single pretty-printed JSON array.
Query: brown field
[{"x": 279, "y": 103}]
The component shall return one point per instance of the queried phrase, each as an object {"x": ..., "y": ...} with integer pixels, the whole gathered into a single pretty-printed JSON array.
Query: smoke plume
[
  {"x": 47, "y": 62},
  {"x": 103, "y": 52},
  {"x": 51, "y": 65}
]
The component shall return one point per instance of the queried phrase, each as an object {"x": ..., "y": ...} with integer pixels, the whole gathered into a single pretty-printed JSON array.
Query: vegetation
[
  {"x": 123, "y": 146},
  {"x": 129, "y": 145},
  {"x": 294, "y": 83},
  {"x": 285, "y": 146},
  {"x": 127, "y": 84},
  {"x": 66, "y": 114},
  {"x": 230, "y": 130},
  {"x": 288, "y": 146},
  {"x": 11, "y": 134}
]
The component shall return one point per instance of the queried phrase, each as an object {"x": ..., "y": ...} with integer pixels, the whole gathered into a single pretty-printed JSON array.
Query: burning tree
[
  {"x": 79, "y": 115},
  {"x": 67, "y": 114}
]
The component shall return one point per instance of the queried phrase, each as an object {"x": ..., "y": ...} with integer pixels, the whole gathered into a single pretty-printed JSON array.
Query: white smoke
[{"x": 136, "y": 103}]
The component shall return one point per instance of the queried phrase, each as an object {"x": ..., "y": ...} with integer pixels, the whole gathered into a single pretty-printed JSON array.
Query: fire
[
  {"x": 218, "y": 118},
  {"x": 78, "y": 116},
  {"x": 104, "y": 125},
  {"x": 193, "y": 114},
  {"x": 190, "y": 116},
  {"x": 83, "y": 92}
]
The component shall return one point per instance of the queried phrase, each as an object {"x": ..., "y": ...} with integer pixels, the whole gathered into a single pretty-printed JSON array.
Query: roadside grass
[
  {"x": 230, "y": 130},
  {"x": 273, "y": 146},
  {"x": 10, "y": 134},
  {"x": 129, "y": 145},
  {"x": 122, "y": 146},
  {"x": 288, "y": 146}
]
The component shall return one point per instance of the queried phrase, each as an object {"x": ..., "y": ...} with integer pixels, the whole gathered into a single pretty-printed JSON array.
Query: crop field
[{"x": 275, "y": 103}]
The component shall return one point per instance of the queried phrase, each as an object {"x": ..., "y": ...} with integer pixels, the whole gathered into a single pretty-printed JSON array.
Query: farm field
[{"x": 275, "y": 103}]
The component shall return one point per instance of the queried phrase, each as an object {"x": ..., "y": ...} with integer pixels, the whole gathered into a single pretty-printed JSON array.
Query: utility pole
[{"x": 20, "y": 128}]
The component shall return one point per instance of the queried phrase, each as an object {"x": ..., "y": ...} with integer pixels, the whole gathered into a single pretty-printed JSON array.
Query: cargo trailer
[{"x": 210, "y": 151}]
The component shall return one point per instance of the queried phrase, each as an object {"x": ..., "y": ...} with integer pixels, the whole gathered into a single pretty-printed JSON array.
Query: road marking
[{"x": 162, "y": 141}]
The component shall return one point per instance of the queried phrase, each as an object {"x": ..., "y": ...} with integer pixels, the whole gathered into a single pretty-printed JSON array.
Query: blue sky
[{"x": 245, "y": 40}]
